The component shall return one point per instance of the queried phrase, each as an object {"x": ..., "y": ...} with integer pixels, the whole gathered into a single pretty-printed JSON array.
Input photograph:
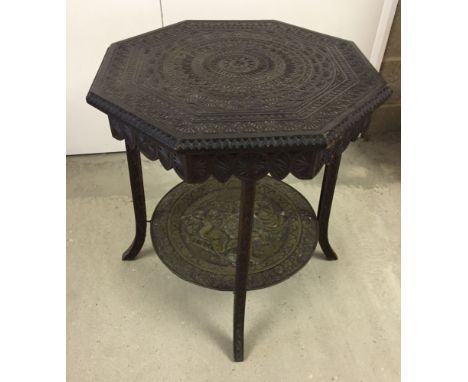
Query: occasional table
[{"x": 234, "y": 107}]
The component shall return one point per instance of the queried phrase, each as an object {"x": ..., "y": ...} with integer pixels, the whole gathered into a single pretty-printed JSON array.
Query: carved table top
[{"x": 236, "y": 87}]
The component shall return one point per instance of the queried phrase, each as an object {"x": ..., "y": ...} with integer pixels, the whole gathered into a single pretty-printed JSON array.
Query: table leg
[
  {"x": 326, "y": 198},
  {"x": 246, "y": 218},
  {"x": 139, "y": 205}
]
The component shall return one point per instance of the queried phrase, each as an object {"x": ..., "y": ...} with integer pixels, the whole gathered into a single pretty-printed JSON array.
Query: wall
[
  {"x": 387, "y": 119},
  {"x": 92, "y": 25}
]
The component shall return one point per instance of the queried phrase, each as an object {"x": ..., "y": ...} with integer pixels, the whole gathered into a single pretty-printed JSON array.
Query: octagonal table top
[{"x": 201, "y": 85}]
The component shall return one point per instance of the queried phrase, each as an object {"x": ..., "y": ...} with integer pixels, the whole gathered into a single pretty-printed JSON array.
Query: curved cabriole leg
[
  {"x": 139, "y": 205},
  {"x": 326, "y": 199},
  {"x": 246, "y": 217}
]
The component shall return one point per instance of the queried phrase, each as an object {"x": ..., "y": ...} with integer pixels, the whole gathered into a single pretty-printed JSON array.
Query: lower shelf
[{"x": 194, "y": 232}]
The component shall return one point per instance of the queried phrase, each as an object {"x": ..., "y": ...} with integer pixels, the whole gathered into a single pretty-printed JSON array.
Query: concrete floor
[{"x": 136, "y": 321}]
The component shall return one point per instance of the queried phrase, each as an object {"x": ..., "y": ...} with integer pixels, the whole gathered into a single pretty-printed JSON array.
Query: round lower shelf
[{"x": 194, "y": 232}]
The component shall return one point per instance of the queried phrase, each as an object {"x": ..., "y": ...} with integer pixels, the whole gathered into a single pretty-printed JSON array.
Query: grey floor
[{"x": 136, "y": 321}]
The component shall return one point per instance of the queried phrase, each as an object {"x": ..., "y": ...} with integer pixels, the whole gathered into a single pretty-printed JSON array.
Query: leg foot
[
  {"x": 242, "y": 264},
  {"x": 139, "y": 205},
  {"x": 326, "y": 199}
]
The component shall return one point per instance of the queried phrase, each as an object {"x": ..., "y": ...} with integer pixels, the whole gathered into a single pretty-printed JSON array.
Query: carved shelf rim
[{"x": 200, "y": 266}]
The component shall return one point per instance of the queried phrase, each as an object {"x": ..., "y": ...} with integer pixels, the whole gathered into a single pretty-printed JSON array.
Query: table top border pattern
[{"x": 253, "y": 142}]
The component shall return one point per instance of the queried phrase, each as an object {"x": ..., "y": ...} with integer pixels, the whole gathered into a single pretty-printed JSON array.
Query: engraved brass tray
[{"x": 194, "y": 232}]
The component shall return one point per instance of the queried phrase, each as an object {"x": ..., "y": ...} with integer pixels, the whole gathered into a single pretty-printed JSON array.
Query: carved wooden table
[{"x": 225, "y": 103}]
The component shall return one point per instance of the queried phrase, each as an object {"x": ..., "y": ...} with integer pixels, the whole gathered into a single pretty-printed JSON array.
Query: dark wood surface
[
  {"x": 236, "y": 84},
  {"x": 223, "y": 98},
  {"x": 236, "y": 98},
  {"x": 139, "y": 204},
  {"x": 326, "y": 198},
  {"x": 246, "y": 219},
  {"x": 194, "y": 229}
]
